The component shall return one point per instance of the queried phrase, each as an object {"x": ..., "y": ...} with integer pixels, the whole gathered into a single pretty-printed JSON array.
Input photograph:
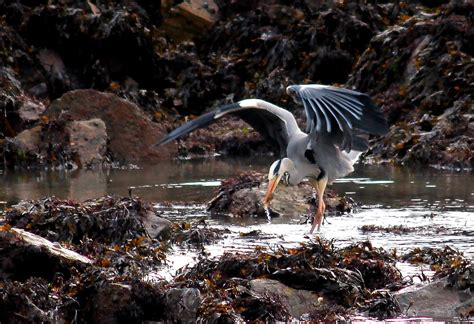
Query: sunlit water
[{"x": 439, "y": 203}]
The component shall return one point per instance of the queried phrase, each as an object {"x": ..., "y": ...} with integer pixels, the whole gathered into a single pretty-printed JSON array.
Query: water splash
[{"x": 269, "y": 217}]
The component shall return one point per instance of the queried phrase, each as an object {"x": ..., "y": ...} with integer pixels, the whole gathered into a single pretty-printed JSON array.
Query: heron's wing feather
[
  {"x": 276, "y": 124},
  {"x": 340, "y": 115}
]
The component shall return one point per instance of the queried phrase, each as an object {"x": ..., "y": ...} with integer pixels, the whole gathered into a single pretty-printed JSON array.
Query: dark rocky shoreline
[
  {"x": 66, "y": 261},
  {"x": 181, "y": 58},
  {"x": 95, "y": 84}
]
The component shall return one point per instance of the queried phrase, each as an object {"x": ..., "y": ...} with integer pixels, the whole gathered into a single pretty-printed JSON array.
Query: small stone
[
  {"x": 30, "y": 111},
  {"x": 182, "y": 304}
]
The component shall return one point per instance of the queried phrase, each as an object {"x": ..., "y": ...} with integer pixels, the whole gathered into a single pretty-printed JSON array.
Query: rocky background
[
  {"x": 147, "y": 66},
  {"x": 95, "y": 83}
]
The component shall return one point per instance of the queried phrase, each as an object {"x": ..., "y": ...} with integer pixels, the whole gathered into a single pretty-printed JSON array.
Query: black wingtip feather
[
  {"x": 374, "y": 121},
  {"x": 199, "y": 122},
  {"x": 194, "y": 124}
]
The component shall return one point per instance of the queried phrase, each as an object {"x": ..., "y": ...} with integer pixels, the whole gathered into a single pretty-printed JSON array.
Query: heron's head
[{"x": 279, "y": 170}]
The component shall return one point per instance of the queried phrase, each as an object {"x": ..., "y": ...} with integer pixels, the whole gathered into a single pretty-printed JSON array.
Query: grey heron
[{"x": 338, "y": 122}]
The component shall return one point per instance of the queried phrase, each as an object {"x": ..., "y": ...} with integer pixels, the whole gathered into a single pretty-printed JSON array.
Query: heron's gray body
[
  {"x": 338, "y": 122},
  {"x": 324, "y": 162}
]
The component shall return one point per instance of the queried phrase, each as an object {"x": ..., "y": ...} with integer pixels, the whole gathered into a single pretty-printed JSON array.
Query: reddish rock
[{"x": 132, "y": 135}]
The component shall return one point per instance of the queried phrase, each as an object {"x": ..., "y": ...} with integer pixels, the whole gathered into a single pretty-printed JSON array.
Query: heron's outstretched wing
[
  {"x": 342, "y": 116},
  {"x": 276, "y": 124}
]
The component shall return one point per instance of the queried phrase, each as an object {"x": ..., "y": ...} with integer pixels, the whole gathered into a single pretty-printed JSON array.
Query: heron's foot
[
  {"x": 312, "y": 229},
  {"x": 316, "y": 223}
]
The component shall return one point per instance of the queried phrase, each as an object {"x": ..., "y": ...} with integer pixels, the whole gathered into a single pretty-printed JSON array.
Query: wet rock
[
  {"x": 242, "y": 196},
  {"x": 339, "y": 286},
  {"x": 45, "y": 145},
  {"x": 246, "y": 202},
  {"x": 87, "y": 127},
  {"x": 89, "y": 140},
  {"x": 182, "y": 304},
  {"x": 132, "y": 135},
  {"x": 297, "y": 302},
  {"x": 241, "y": 186},
  {"x": 157, "y": 227},
  {"x": 436, "y": 300}
]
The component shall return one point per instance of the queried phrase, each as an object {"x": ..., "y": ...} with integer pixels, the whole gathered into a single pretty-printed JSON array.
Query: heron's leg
[{"x": 320, "y": 186}]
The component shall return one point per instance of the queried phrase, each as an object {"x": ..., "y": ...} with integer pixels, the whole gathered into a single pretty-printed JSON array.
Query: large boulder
[{"x": 132, "y": 135}]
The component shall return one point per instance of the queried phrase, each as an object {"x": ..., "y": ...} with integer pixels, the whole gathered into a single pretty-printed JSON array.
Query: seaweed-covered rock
[
  {"x": 32, "y": 301},
  {"x": 25, "y": 255},
  {"x": 230, "y": 285},
  {"x": 413, "y": 57},
  {"x": 375, "y": 265},
  {"x": 420, "y": 72},
  {"x": 196, "y": 234},
  {"x": 108, "y": 220},
  {"x": 444, "y": 261},
  {"x": 87, "y": 266},
  {"x": 242, "y": 196}
]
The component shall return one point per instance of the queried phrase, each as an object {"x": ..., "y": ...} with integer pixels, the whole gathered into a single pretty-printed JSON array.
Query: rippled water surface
[{"x": 439, "y": 203}]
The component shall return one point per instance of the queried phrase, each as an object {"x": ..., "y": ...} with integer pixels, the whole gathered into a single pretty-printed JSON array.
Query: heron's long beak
[{"x": 272, "y": 184}]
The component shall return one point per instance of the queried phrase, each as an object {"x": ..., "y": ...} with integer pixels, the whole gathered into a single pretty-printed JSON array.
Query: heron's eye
[{"x": 286, "y": 178}]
